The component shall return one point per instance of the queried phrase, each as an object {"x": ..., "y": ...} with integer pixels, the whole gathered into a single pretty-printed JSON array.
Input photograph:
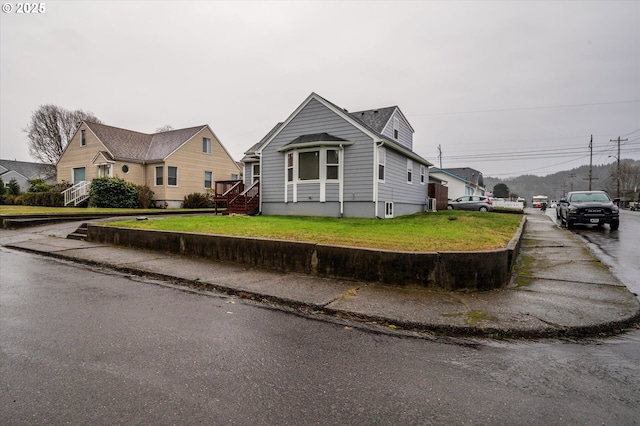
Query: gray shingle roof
[
  {"x": 130, "y": 145},
  {"x": 367, "y": 119},
  {"x": 470, "y": 175},
  {"x": 377, "y": 119},
  {"x": 46, "y": 172}
]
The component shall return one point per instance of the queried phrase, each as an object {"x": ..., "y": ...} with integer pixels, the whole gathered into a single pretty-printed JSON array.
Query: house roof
[
  {"x": 354, "y": 119},
  {"x": 466, "y": 174},
  {"x": 470, "y": 175},
  {"x": 130, "y": 145},
  {"x": 30, "y": 170},
  {"x": 314, "y": 139},
  {"x": 376, "y": 119}
]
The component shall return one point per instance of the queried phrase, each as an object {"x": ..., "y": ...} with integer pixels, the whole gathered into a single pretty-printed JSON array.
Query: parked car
[
  {"x": 471, "y": 202},
  {"x": 589, "y": 208}
]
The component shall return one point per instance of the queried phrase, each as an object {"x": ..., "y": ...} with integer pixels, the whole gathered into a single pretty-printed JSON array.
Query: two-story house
[
  {"x": 173, "y": 163},
  {"x": 325, "y": 161}
]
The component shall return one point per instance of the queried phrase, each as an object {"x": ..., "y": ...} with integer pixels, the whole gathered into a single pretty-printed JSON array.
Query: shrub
[
  {"x": 197, "y": 200},
  {"x": 112, "y": 193},
  {"x": 145, "y": 196},
  {"x": 45, "y": 199},
  {"x": 38, "y": 185},
  {"x": 13, "y": 188}
]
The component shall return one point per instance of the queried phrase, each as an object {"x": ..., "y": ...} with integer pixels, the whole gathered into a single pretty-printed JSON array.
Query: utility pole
[
  {"x": 618, "y": 173},
  {"x": 590, "y": 160},
  {"x": 571, "y": 176},
  {"x": 440, "y": 155},
  {"x": 590, "y": 178}
]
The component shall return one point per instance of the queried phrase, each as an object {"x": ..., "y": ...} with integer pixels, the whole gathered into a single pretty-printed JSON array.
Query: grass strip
[{"x": 425, "y": 232}]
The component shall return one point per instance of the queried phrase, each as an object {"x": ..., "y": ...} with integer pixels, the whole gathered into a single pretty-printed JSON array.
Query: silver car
[{"x": 471, "y": 202}]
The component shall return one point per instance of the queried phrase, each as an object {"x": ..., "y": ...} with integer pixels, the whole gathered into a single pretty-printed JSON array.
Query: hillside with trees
[{"x": 603, "y": 177}]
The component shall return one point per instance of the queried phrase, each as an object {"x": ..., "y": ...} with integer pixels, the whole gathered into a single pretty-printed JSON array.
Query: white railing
[
  {"x": 513, "y": 205},
  {"x": 77, "y": 193}
]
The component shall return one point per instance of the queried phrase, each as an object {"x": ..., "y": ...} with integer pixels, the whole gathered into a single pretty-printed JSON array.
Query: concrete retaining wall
[{"x": 484, "y": 270}]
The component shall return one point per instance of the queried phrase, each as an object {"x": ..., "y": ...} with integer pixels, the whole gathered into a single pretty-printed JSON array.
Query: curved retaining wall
[{"x": 482, "y": 270}]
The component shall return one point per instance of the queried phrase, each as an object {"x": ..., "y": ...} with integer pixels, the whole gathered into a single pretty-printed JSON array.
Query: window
[
  {"x": 159, "y": 176},
  {"x": 333, "y": 159},
  {"x": 381, "y": 162},
  {"x": 172, "y": 176},
  {"x": 423, "y": 174},
  {"x": 309, "y": 165},
  {"x": 79, "y": 175},
  {"x": 396, "y": 128},
  {"x": 208, "y": 177},
  {"x": 409, "y": 170},
  {"x": 388, "y": 209},
  {"x": 290, "y": 167},
  {"x": 206, "y": 145},
  {"x": 83, "y": 142},
  {"x": 255, "y": 170},
  {"x": 125, "y": 169}
]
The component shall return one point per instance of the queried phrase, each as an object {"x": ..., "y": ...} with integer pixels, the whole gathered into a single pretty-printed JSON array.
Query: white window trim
[
  {"x": 208, "y": 146},
  {"x": 155, "y": 175},
  {"x": 423, "y": 174},
  {"x": 177, "y": 177},
  {"x": 382, "y": 161},
  {"x": 205, "y": 179},
  {"x": 409, "y": 171},
  {"x": 396, "y": 128},
  {"x": 388, "y": 209},
  {"x": 322, "y": 172}
]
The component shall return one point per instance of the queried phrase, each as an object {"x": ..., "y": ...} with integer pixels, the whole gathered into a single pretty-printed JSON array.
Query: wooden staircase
[{"x": 235, "y": 199}]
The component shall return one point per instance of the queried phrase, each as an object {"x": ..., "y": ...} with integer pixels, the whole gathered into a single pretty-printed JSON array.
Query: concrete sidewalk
[{"x": 558, "y": 287}]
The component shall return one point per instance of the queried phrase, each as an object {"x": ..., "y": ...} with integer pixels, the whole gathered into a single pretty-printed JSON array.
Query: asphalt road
[{"x": 81, "y": 345}]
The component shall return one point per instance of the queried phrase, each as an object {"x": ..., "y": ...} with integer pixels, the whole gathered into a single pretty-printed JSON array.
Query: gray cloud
[{"x": 473, "y": 77}]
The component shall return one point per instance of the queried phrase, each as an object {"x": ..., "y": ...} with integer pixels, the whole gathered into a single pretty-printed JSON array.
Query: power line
[{"x": 525, "y": 108}]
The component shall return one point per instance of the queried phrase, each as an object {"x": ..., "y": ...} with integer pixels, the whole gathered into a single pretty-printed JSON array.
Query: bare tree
[
  {"x": 50, "y": 130},
  {"x": 165, "y": 128}
]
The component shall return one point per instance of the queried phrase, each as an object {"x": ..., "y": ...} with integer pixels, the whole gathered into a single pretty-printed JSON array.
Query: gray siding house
[
  {"x": 23, "y": 172},
  {"x": 324, "y": 161}
]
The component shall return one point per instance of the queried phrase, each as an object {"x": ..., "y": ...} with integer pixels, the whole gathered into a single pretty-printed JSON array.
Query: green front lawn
[
  {"x": 37, "y": 210},
  {"x": 443, "y": 231}
]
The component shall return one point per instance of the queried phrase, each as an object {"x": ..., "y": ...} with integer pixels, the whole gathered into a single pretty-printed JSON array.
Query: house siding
[
  {"x": 76, "y": 156},
  {"x": 358, "y": 158},
  {"x": 20, "y": 180},
  {"x": 456, "y": 187},
  {"x": 407, "y": 197},
  {"x": 405, "y": 137},
  {"x": 192, "y": 163}
]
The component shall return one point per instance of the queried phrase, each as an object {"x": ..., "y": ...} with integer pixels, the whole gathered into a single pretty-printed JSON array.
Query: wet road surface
[{"x": 88, "y": 346}]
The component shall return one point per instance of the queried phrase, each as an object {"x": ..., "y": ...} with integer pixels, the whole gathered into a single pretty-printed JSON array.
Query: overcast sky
[{"x": 507, "y": 88}]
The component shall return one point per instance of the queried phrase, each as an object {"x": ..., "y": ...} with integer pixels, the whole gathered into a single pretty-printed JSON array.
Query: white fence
[{"x": 512, "y": 205}]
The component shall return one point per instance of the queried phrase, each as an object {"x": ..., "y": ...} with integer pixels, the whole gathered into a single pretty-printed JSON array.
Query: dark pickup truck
[{"x": 589, "y": 208}]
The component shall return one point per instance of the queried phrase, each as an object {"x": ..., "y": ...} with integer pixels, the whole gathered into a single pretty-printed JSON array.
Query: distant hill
[{"x": 557, "y": 184}]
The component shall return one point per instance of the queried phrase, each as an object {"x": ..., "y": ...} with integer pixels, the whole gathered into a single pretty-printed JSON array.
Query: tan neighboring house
[{"x": 173, "y": 164}]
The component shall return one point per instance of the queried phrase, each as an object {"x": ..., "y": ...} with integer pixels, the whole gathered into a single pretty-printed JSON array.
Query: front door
[{"x": 104, "y": 170}]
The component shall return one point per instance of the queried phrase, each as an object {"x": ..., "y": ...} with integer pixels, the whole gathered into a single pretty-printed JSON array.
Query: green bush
[
  {"x": 198, "y": 200},
  {"x": 45, "y": 199},
  {"x": 38, "y": 185},
  {"x": 113, "y": 193},
  {"x": 13, "y": 188}
]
